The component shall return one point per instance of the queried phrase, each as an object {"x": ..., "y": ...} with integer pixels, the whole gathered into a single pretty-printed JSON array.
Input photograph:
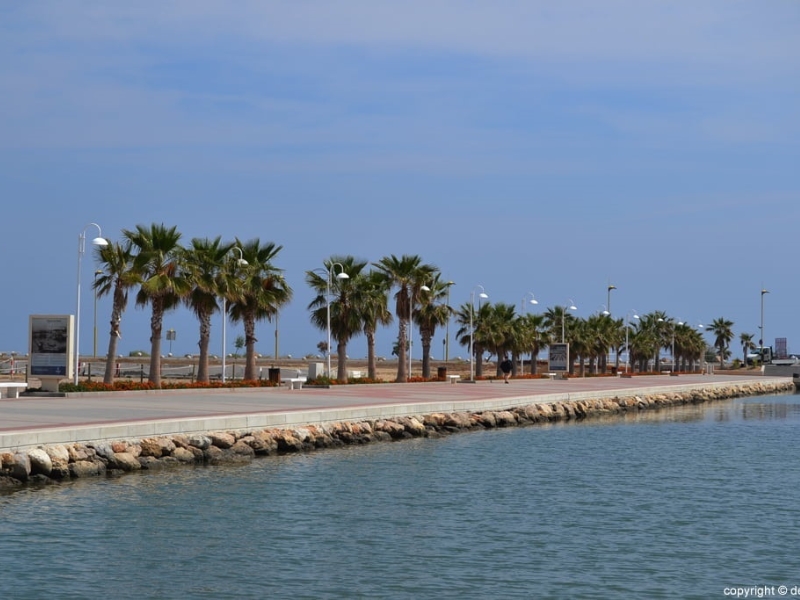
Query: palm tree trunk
[
  {"x": 205, "y": 336},
  {"x": 402, "y": 346},
  {"x": 250, "y": 346},
  {"x": 341, "y": 359},
  {"x": 535, "y": 361},
  {"x": 113, "y": 342},
  {"x": 156, "y": 325},
  {"x": 426, "y": 354},
  {"x": 371, "y": 367}
]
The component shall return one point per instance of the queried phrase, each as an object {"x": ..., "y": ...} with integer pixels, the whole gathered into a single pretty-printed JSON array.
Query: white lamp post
[
  {"x": 761, "y": 341},
  {"x": 524, "y": 310},
  {"x": 627, "y": 329},
  {"x": 608, "y": 300},
  {"x": 423, "y": 288},
  {"x": 672, "y": 329},
  {"x": 472, "y": 329},
  {"x": 447, "y": 326},
  {"x": 340, "y": 276},
  {"x": 94, "y": 331},
  {"x": 241, "y": 262},
  {"x": 533, "y": 300},
  {"x": 98, "y": 241},
  {"x": 569, "y": 306}
]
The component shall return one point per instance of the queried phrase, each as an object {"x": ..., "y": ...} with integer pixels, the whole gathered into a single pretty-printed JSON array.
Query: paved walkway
[{"x": 32, "y": 421}]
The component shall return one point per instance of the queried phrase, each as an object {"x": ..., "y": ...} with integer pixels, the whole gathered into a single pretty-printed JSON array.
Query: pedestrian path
[{"x": 32, "y": 421}]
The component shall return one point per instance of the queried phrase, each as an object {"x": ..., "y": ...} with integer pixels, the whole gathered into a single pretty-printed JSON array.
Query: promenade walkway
[{"x": 33, "y": 421}]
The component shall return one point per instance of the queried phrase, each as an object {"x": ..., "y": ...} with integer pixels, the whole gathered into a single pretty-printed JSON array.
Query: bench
[
  {"x": 454, "y": 378},
  {"x": 550, "y": 375},
  {"x": 294, "y": 382},
  {"x": 11, "y": 389}
]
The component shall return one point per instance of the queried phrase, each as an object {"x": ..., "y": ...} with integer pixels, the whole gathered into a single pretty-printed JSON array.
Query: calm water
[{"x": 677, "y": 504}]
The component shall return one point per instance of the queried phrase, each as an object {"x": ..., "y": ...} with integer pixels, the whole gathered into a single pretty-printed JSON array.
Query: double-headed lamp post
[
  {"x": 631, "y": 313},
  {"x": 240, "y": 262},
  {"x": 340, "y": 276},
  {"x": 98, "y": 241},
  {"x": 483, "y": 295},
  {"x": 422, "y": 288},
  {"x": 569, "y": 306}
]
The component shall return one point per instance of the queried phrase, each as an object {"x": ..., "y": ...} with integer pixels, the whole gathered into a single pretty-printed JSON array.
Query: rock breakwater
[{"x": 51, "y": 464}]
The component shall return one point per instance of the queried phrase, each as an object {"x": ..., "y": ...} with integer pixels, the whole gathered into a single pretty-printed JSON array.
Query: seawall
[{"x": 52, "y": 463}]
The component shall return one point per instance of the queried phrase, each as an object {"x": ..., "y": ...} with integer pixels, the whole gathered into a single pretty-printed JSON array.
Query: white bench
[
  {"x": 550, "y": 375},
  {"x": 294, "y": 382},
  {"x": 454, "y": 378},
  {"x": 11, "y": 389}
]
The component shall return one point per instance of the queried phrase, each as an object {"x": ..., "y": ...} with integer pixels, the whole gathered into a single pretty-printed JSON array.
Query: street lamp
[
  {"x": 608, "y": 301},
  {"x": 98, "y": 241},
  {"x": 240, "y": 262},
  {"x": 672, "y": 329},
  {"x": 627, "y": 329},
  {"x": 761, "y": 341},
  {"x": 340, "y": 276},
  {"x": 524, "y": 310},
  {"x": 569, "y": 306},
  {"x": 533, "y": 300},
  {"x": 423, "y": 288},
  {"x": 472, "y": 330},
  {"x": 94, "y": 345},
  {"x": 447, "y": 326}
]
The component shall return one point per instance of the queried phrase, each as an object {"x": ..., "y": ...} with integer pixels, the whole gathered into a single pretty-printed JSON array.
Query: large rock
[
  {"x": 200, "y": 441},
  {"x": 86, "y": 468},
  {"x": 40, "y": 462},
  {"x": 222, "y": 440},
  {"x": 21, "y": 467},
  {"x": 186, "y": 455},
  {"x": 59, "y": 456},
  {"x": 124, "y": 461}
]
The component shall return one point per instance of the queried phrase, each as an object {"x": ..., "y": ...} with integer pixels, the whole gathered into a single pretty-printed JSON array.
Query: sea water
[{"x": 689, "y": 502}]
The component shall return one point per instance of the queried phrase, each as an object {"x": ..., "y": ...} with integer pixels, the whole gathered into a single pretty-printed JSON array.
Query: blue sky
[{"x": 521, "y": 146}]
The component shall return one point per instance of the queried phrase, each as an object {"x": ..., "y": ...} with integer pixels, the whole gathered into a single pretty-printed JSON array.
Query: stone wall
[{"x": 56, "y": 463}]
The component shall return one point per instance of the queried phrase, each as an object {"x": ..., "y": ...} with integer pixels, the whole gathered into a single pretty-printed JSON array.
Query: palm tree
[
  {"x": 373, "y": 301},
  {"x": 158, "y": 267},
  {"x": 117, "y": 278},
  {"x": 433, "y": 312},
  {"x": 258, "y": 296},
  {"x": 345, "y": 314},
  {"x": 408, "y": 274},
  {"x": 644, "y": 343},
  {"x": 689, "y": 346},
  {"x": 723, "y": 334},
  {"x": 466, "y": 315},
  {"x": 746, "y": 340},
  {"x": 534, "y": 337},
  {"x": 205, "y": 263},
  {"x": 654, "y": 328},
  {"x": 497, "y": 331}
]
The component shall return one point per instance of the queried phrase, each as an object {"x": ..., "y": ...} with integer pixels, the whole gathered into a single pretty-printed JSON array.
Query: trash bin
[
  {"x": 441, "y": 373},
  {"x": 274, "y": 375}
]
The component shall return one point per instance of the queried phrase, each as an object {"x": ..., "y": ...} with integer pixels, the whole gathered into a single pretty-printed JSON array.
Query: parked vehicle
[{"x": 760, "y": 356}]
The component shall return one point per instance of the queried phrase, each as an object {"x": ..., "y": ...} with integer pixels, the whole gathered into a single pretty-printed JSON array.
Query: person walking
[{"x": 505, "y": 367}]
